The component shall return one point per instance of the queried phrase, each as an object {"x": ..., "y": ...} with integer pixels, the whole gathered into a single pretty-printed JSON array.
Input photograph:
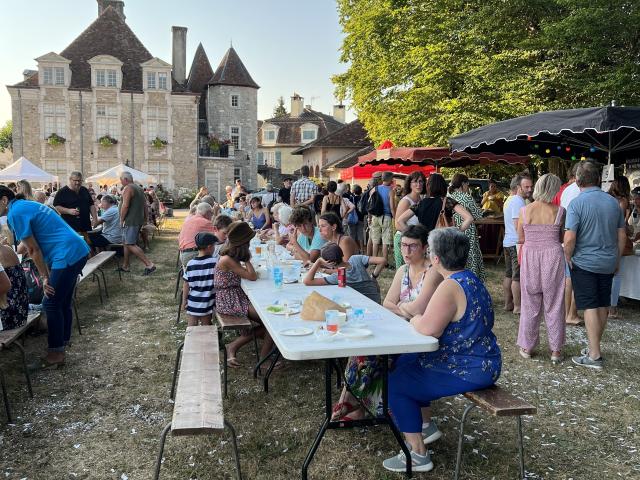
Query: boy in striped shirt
[{"x": 198, "y": 295}]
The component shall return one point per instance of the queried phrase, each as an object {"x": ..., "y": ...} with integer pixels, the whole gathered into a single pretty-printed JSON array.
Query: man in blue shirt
[
  {"x": 59, "y": 253},
  {"x": 593, "y": 242},
  {"x": 381, "y": 230}
]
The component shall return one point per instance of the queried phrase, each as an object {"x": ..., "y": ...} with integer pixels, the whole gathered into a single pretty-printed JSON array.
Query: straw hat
[{"x": 239, "y": 233}]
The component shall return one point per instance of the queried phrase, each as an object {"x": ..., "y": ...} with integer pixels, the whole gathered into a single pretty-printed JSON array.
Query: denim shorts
[{"x": 130, "y": 234}]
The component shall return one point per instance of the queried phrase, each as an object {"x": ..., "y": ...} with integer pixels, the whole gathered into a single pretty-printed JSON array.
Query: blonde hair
[
  {"x": 546, "y": 188},
  {"x": 24, "y": 187}
]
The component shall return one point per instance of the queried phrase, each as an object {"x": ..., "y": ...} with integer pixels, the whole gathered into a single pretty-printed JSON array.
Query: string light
[
  {"x": 547, "y": 151},
  {"x": 568, "y": 149},
  {"x": 592, "y": 149}
]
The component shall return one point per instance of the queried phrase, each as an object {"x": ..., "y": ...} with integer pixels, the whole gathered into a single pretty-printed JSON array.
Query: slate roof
[
  {"x": 107, "y": 35},
  {"x": 232, "y": 71},
  {"x": 352, "y": 134},
  {"x": 289, "y": 132},
  {"x": 198, "y": 79}
]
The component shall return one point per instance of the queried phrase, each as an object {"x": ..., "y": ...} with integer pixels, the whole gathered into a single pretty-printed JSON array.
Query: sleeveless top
[
  {"x": 413, "y": 220},
  {"x": 334, "y": 207},
  {"x": 542, "y": 236},
  {"x": 408, "y": 293},
  {"x": 135, "y": 214},
  {"x": 258, "y": 222},
  {"x": 468, "y": 348}
]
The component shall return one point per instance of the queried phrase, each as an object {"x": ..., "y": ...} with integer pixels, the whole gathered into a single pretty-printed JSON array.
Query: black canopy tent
[{"x": 607, "y": 134}]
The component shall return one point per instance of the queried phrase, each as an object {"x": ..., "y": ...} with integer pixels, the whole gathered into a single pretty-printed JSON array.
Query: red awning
[
  {"x": 436, "y": 156},
  {"x": 358, "y": 172}
]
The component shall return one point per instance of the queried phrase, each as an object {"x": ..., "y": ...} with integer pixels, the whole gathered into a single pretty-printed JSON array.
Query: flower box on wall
[
  {"x": 56, "y": 140},
  {"x": 107, "y": 141},
  {"x": 158, "y": 143}
]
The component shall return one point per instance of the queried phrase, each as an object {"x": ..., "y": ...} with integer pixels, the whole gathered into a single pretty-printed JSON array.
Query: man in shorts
[
  {"x": 511, "y": 282},
  {"x": 133, "y": 216},
  {"x": 381, "y": 229},
  {"x": 593, "y": 242}
]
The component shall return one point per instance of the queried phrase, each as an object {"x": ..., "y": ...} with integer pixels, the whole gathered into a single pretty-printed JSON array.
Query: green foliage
[
  {"x": 107, "y": 141},
  {"x": 159, "y": 143},
  {"x": 54, "y": 140},
  {"x": 279, "y": 110},
  {"x": 421, "y": 72},
  {"x": 6, "y": 136}
]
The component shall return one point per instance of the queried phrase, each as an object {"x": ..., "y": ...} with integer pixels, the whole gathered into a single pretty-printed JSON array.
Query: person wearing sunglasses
[{"x": 414, "y": 189}]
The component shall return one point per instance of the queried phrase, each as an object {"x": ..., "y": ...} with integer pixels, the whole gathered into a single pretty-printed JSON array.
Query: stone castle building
[{"x": 105, "y": 100}]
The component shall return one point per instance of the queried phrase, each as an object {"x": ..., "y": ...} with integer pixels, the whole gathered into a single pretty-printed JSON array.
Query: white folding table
[{"x": 392, "y": 335}]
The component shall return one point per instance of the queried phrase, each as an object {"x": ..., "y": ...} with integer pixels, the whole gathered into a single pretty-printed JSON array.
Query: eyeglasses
[{"x": 412, "y": 247}]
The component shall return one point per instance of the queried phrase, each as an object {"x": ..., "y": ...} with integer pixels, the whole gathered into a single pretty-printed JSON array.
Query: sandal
[
  {"x": 341, "y": 409},
  {"x": 524, "y": 354},
  {"x": 233, "y": 362},
  {"x": 347, "y": 418}
]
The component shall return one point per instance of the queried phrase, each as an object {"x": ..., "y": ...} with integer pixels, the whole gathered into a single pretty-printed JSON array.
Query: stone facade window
[
  {"x": 53, "y": 75},
  {"x": 106, "y": 78},
  {"x": 56, "y": 166},
  {"x": 160, "y": 170},
  {"x": 106, "y": 121},
  {"x": 234, "y": 134},
  {"x": 162, "y": 81},
  {"x": 235, "y": 101},
  {"x": 157, "y": 123},
  {"x": 55, "y": 120},
  {"x": 236, "y": 174},
  {"x": 151, "y": 80}
]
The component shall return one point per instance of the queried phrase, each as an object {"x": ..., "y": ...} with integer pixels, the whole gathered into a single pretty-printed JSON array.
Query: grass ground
[{"x": 100, "y": 416}]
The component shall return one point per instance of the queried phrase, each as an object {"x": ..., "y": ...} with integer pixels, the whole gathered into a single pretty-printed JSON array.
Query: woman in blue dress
[
  {"x": 59, "y": 254},
  {"x": 460, "y": 315}
]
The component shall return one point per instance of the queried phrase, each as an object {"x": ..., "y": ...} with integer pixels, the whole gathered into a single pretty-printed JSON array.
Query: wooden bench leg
[
  {"x": 163, "y": 439},
  {"x": 234, "y": 444},
  {"x": 5, "y": 398},
  {"x": 461, "y": 439},
  {"x": 26, "y": 369},
  {"x": 521, "y": 446},
  {"x": 175, "y": 371},
  {"x": 223, "y": 347}
]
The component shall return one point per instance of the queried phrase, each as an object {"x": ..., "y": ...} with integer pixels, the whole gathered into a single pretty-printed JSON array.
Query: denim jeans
[{"x": 58, "y": 306}]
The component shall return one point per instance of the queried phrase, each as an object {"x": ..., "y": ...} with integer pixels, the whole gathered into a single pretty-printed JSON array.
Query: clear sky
[{"x": 287, "y": 45}]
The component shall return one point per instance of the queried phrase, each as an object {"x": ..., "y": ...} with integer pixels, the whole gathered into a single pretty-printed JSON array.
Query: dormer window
[
  {"x": 106, "y": 78},
  {"x": 156, "y": 74},
  {"x": 106, "y": 71},
  {"x": 308, "y": 132},
  {"x": 53, "y": 75},
  {"x": 151, "y": 80},
  {"x": 308, "y": 135},
  {"x": 269, "y": 135},
  {"x": 162, "y": 81}
]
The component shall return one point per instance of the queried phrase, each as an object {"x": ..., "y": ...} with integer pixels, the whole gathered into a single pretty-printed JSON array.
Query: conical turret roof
[{"x": 232, "y": 71}]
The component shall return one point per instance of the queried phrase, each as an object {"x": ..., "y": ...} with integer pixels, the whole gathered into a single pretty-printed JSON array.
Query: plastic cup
[
  {"x": 331, "y": 321},
  {"x": 278, "y": 277},
  {"x": 358, "y": 314}
]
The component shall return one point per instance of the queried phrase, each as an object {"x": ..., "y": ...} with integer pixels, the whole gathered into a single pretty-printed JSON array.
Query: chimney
[
  {"x": 296, "y": 105},
  {"x": 179, "y": 55},
  {"x": 117, "y": 5},
  {"x": 339, "y": 113}
]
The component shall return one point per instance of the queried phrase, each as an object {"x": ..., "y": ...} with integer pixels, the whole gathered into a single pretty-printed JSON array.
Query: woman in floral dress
[
  {"x": 459, "y": 191},
  {"x": 14, "y": 313}
]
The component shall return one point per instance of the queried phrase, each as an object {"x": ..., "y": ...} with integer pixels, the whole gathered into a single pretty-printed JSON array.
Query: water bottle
[{"x": 277, "y": 277}]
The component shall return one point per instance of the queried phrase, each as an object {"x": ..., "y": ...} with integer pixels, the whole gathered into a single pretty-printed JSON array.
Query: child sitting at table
[
  {"x": 230, "y": 298},
  {"x": 198, "y": 294},
  {"x": 220, "y": 226},
  {"x": 357, "y": 275}
]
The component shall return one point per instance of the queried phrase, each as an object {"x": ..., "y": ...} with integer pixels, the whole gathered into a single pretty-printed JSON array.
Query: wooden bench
[
  {"x": 198, "y": 400},
  {"x": 91, "y": 269},
  {"x": 232, "y": 323},
  {"x": 8, "y": 339},
  {"x": 500, "y": 403}
]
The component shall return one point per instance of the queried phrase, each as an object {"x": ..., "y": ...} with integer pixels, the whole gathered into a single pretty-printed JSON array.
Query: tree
[
  {"x": 6, "y": 139},
  {"x": 279, "y": 110},
  {"x": 420, "y": 72}
]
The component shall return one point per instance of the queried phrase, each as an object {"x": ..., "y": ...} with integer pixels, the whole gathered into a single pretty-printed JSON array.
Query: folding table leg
[
  {"x": 265, "y": 381},
  {"x": 104, "y": 282},
  {"x": 234, "y": 444},
  {"x": 175, "y": 295},
  {"x": 163, "y": 439},
  {"x": 256, "y": 369},
  {"x": 520, "y": 447},
  {"x": 26, "y": 369},
  {"x": 328, "y": 369},
  {"x": 179, "y": 312},
  {"x": 175, "y": 371},
  {"x": 75, "y": 310},
  {"x": 97, "y": 278}
]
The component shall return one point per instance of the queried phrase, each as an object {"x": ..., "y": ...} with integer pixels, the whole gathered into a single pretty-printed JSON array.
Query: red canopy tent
[
  {"x": 359, "y": 172},
  {"x": 435, "y": 156}
]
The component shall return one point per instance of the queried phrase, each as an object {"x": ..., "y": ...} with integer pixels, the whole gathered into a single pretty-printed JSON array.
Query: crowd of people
[{"x": 56, "y": 231}]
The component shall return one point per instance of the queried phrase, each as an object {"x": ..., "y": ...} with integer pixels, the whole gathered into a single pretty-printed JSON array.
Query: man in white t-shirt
[{"x": 511, "y": 282}]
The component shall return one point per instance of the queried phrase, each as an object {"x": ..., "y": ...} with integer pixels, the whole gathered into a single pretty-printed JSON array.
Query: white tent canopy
[
  {"x": 23, "y": 169},
  {"x": 112, "y": 176}
]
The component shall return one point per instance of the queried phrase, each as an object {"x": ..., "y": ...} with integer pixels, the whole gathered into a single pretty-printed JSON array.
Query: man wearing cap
[
  {"x": 198, "y": 294},
  {"x": 200, "y": 222}
]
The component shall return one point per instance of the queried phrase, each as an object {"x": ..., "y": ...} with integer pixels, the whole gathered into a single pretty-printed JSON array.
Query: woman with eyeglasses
[{"x": 414, "y": 188}]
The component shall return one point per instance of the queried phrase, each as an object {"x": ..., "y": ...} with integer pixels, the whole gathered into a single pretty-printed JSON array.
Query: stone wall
[{"x": 222, "y": 116}]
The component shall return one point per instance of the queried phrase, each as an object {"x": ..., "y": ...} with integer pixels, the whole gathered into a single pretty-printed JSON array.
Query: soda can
[{"x": 342, "y": 277}]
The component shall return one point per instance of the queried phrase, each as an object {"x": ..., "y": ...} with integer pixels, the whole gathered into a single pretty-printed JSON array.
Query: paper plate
[
  {"x": 351, "y": 332},
  {"x": 281, "y": 310},
  {"x": 296, "y": 332}
]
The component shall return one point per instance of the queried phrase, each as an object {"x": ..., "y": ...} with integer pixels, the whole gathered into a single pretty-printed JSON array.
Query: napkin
[{"x": 315, "y": 305}]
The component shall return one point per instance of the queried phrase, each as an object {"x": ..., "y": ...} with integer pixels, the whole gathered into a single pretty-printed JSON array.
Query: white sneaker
[
  {"x": 431, "y": 433},
  {"x": 419, "y": 463}
]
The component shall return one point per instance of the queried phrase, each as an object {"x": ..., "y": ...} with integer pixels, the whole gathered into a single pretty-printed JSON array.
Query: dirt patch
[{"x": 100, "y": 417}]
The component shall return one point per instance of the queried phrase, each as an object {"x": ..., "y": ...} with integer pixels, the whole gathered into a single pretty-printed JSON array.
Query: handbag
[{"x": 443, "y": 221}]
